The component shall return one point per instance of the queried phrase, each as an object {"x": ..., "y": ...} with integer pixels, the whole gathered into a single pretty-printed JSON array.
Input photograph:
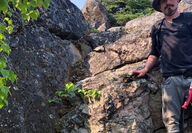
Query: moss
[
  {"x": 93, "y": 30},
  {"x": 58, "y": 128}
]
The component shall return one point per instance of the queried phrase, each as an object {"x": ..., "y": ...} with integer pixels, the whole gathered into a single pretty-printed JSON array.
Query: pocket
[
  {"x": 166, "y": 81},
  {"x": 190, "y": 81}
]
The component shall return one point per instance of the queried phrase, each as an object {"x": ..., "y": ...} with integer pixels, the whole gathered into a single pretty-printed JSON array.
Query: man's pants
[{"x": 174, "y": 91}]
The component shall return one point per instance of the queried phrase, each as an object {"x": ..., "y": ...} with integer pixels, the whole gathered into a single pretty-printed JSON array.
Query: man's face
[{"x": 169, "y": 7}]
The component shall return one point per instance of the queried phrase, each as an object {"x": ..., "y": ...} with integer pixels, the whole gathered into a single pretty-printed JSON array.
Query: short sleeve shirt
[{"x": 175, "y": 48}]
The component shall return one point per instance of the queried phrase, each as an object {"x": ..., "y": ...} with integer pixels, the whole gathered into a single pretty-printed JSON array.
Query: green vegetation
[
  {"x": 93, "y": 30},
  {"x": 28, "y": 10},
  {"x": 122, "y": 11},
  {"x": 58, "y": 128},
  {"x": 70, "y": 89}
]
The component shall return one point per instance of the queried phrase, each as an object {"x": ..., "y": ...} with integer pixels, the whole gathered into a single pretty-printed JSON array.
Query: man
[{"x": 172, "y": 42}]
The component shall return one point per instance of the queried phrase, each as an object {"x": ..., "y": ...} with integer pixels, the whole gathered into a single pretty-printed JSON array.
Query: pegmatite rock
[{"x": 96, "y": 14}]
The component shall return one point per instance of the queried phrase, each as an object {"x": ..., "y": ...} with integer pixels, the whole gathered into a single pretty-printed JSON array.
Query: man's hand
[
  {"x": 150, "y": 63},
  {"x": 139, "y": 73}
]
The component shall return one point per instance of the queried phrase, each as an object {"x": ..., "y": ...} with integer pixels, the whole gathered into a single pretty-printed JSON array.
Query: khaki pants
[{"x": 174, "y": 91}]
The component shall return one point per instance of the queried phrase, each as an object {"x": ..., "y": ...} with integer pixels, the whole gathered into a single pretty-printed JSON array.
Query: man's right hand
[
  {"x": 139, "y": 73},
  {"x": 150, "y": 63}
]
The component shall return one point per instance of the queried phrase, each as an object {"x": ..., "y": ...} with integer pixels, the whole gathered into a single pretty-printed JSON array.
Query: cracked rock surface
[
  {"x": 41, "y": 56},
  {"x": 127, "y": 104},
  {"x": 50, "y": 52}
]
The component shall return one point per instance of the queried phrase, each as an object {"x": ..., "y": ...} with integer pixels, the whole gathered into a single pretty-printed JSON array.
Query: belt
[{"x": 187, "y": 73}]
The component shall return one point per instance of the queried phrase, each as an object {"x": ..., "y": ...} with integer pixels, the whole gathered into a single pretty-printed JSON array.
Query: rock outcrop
[
  {"x": 41, "y": 56},
  {"x": 64, "y": 19},
  {"x": 127, "y": 104},
  {"x": 124, "y": 105},
  {"x": 95, "y": 13},
  {"x": 47, "y": 54}
]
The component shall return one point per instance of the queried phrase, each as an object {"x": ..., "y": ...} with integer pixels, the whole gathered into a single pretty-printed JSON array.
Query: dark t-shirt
[{"x": 175, "y": 49}]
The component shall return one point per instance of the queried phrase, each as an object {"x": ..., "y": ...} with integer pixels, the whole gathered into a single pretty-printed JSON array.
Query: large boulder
[
  {"x": 128, "y": 49},
  {"x": 41, "y": 61},
  {"x": 64, "y": 19},
  {"x": 95, "y": 13},
  {"x": 41, "y": 57}
]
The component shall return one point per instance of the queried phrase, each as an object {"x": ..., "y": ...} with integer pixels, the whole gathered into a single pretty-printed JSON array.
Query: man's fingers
[
  {"x": 134, "y": 72},
  {"x": 140, "y": 75}
]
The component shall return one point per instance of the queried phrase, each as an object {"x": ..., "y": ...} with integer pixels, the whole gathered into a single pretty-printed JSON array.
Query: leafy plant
[
  {"x": 28, "y": 10},
  {"x": 70, "y": 89},
  {"x": 90, "y": 93}
]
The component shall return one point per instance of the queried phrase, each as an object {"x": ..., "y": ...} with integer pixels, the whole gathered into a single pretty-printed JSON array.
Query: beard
[{"x": 168, "y": 11}]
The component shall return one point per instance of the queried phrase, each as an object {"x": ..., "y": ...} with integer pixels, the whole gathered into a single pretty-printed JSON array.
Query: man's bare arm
[{"x": 149, "y": 64}]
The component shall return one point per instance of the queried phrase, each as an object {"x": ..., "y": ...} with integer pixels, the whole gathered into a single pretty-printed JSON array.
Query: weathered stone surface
[
  {"x": 41, "y": 62},
  {"x": 112, "y": 29},
  {"x": 106, "y": 37},
  {"x": 128, "y": 49},
  {"x": 139, "y": 24},
  {"x": 41, "y": 57},
  {"x": 183, "y": 6},
  {"x": 76, "y": 120},
  {"x": 127, "y": 105},
  {"x": 123, "y": 106},
  {"x": 89, "y": 42},
  {"x": 96, "y": 14},
  {"x": 64, "y": 19}
]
